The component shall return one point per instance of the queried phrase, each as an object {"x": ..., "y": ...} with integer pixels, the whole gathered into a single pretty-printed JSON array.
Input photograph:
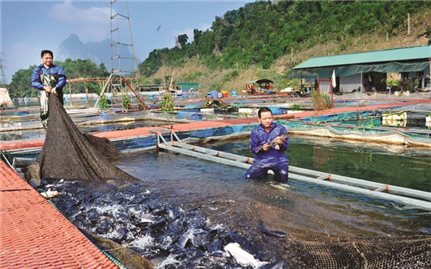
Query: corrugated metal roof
[{"x": 391, "y": 55}]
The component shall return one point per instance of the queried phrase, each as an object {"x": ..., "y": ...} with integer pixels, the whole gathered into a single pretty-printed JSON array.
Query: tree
[
  {"x": 197, "y": 34},
  {"x": 20, "y": 85},
  {"x": 263, "y": 31},
  {"x": 182, "y": 39}
]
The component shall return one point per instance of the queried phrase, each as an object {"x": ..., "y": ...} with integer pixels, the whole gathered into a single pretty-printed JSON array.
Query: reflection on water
[
  {"x": 21, "y": 135},
  {"x": 321, "y": 157},
  {"x": 196, "y": 183}
]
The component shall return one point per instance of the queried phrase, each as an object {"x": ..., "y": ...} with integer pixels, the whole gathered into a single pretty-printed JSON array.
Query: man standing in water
[
  {"x": 48, "y": 78},
  {"x": 268, "y": 142}
]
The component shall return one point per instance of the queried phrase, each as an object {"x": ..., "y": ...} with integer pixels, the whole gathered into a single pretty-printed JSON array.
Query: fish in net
[{"x": 71, "y": 155}]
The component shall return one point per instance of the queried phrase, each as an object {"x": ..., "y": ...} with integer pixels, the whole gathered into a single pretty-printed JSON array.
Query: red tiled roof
[{"x": 33, "y": 234}]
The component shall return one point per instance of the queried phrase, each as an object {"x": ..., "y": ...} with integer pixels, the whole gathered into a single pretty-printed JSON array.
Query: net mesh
[
  {"x": 368, "y": 125},
  {"x": 304, "y": 246},
  {"x": 313, "y": 251},
  {"x": 68, "y": 154}
]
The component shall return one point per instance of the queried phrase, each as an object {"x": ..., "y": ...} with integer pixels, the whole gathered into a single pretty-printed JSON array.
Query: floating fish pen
[
  {"x": 369, "y": 126},
  {"x": 406, "y": 118},
  {"x": 26, "y": 125},
  {"x": 188, "y": 213}
]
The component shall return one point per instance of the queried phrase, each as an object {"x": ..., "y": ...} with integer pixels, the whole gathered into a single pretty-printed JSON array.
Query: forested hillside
[
  {"x": 265, "y": 40},
  {"x": 264, "y": 35}
]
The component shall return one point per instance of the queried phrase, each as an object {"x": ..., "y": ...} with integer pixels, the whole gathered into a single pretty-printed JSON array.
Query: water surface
[{"x": 198, "y": 183}]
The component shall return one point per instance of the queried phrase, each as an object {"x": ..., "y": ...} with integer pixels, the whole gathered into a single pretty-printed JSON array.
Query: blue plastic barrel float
[
  {"x": 196, "y": 116},
  {"x": 278, "y": 110},
  {"x": 213, "y": 94}
]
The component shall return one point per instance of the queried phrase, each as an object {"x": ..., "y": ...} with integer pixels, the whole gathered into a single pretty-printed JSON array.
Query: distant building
[
  {"x": 369, "y": 70},
  {"x": 188, "y": 86},
  {"x": 260, "y": 86}
]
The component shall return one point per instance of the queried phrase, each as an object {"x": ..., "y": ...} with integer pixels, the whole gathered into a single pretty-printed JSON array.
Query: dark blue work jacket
[{"x": 259, "y": 137}]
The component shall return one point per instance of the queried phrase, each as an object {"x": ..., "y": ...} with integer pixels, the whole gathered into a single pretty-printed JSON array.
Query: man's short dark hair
[
  {"x": 263, "y": 109},
  {"x": 43, "y": 52}
]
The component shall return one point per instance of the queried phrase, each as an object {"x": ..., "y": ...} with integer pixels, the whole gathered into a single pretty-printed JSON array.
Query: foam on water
[
  {"x": 142, "y": 242},
  {"x": 170, "y": 260},
  {"x": 112, "y": 209},
  {"x": 113, "y": 234},
  {"x": 142, "y": 216}
]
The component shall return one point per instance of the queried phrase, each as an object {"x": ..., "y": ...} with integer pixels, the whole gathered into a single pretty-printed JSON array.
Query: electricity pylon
[{"x": 121, "y": 41}]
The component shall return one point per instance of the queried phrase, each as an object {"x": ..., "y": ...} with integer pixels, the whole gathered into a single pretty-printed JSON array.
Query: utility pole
[{"x": 408, "y": 23}]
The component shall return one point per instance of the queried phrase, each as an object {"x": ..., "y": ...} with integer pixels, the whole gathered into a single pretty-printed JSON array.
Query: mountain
[{"x": 98, "y": 52}]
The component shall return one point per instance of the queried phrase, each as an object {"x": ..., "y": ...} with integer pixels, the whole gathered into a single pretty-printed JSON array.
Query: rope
[
  {"x": 113, "y": 259},
  {"x": 4, "y": 157},
  {"x": 362, "y": 255}
]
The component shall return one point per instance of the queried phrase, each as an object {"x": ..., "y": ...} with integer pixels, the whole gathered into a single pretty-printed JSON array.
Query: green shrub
[
  {"x": 125, "y": 101},
  {"x": 321, "y": 101},
  {"x": 103, "y": 102},
  {"x": 296, "y": 107},
  {"x": 167, "y": 103}
]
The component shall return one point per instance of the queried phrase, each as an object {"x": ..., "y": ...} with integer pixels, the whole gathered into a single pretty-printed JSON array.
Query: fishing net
[
  {"x": 314, "y": 251},
  {"x": 185, "y": 235},
  {"x": 195, "y": 234},
  {"x": 68, "y": 154},
  {"x": 301, "y": 245}
]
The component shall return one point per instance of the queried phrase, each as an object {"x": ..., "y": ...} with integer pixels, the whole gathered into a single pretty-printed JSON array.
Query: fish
[
  {"x": 242, "y": 257},
  {"x": 264, "y": 230}
]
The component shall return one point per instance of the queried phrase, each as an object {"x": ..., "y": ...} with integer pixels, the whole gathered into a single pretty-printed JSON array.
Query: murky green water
[
  {"x": 192, "y": 182},
  {"x": 403, "y": 168},
  {"x": 393, "y": 165}
]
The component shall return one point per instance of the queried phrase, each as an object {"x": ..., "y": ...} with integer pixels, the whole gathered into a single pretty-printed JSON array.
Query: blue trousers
[{"x": 260, "y": 168}]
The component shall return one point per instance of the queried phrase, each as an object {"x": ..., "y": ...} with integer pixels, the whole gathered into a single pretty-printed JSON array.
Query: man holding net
[
  {"x": 268, "y": 142},
  {"x": 48, "y": 78}
]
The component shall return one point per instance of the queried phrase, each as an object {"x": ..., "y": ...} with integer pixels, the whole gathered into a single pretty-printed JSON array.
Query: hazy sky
[{"x": 27, "y": 27}]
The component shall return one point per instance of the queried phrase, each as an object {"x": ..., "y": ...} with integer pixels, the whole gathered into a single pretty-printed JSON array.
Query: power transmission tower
[
  {"x": 121, "y": 39},
  {"x": 121, "y": 43}
]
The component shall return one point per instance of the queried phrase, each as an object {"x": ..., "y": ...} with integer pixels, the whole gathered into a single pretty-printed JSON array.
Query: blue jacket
[
  {"x": 259, "y": 137},
  {"x": 55, "y": 70}
]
